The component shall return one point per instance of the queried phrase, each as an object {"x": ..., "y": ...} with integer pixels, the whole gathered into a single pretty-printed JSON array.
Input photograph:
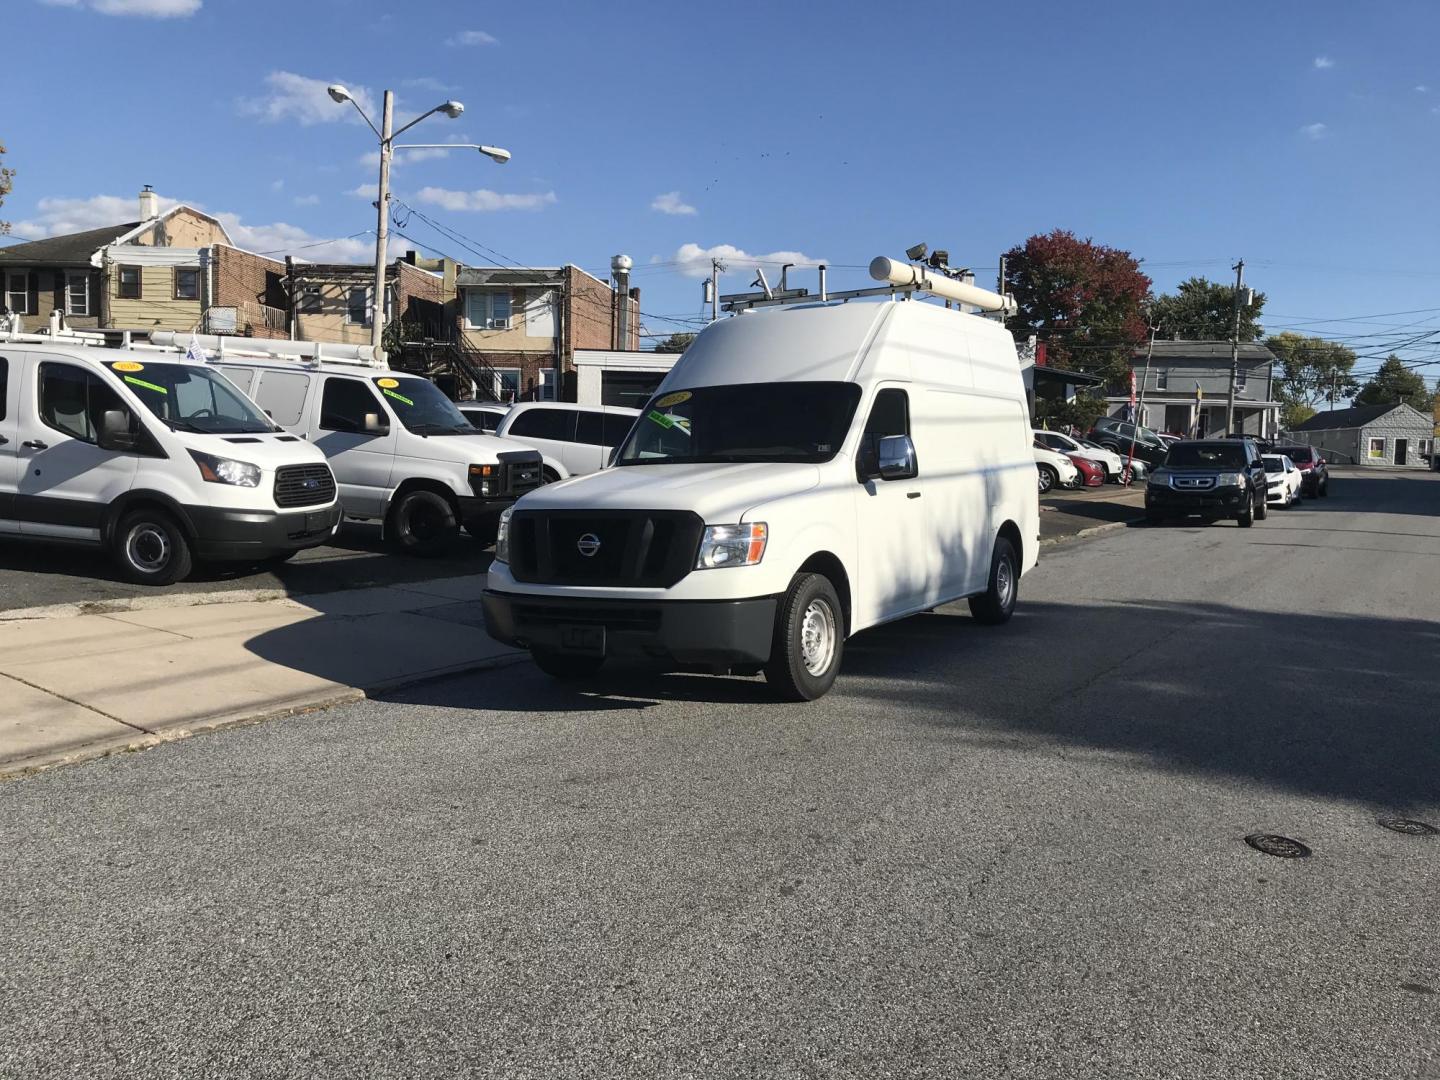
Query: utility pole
[
  {"x": 1140, "y": 408},
  {"x": 715, "y": 269},
  {"x": 1235, "y": 349},
  {"x": 382, "y": 224}
]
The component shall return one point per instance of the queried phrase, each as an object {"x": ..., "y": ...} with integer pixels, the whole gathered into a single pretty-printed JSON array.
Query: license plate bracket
[{"x": 583, "y": 640}]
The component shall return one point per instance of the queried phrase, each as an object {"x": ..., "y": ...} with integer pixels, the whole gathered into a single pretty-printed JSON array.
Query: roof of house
[
  {"x": 1354, "y": 417},
  {"x": 72, "y": 249},
  {"x": 1250, "y": 351}
]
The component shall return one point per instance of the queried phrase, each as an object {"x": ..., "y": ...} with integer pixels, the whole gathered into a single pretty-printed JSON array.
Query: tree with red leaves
[{"x": 1084, "y": 300}]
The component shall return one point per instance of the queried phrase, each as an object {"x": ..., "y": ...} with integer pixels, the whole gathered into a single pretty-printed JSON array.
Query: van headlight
[
  {"x": 502, "y": 536},
  {"x": 219, "y": 470},
  {"x": 732, "y": 545}
]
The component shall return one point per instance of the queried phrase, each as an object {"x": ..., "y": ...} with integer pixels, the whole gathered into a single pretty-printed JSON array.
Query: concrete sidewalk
[
  {"x": 86, "y": 685},
  {"x": 1065, "y": 515}
]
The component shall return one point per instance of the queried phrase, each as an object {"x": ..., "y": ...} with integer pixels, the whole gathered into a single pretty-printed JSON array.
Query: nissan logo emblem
[{"x": 588, "y": 545}]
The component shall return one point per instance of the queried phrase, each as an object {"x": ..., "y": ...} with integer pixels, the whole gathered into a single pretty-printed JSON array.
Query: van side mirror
[
  {"x": 897, "y": 458},
  {"x": 115, "y": 431},
  {"x": 375, "y": 425}
]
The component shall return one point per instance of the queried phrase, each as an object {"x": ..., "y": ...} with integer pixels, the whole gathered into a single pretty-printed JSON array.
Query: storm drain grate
[
  {"x": 1282, "y": 847},
  {"x": 1408, "y": 826}
]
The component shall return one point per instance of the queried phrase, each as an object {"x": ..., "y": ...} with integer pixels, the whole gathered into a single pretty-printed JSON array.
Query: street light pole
[
  {"x": 1234, "y": 349},
  {"x": 382, "y": 221}
]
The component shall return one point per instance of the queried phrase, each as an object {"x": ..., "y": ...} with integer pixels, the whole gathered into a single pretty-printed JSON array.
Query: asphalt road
[
  {"x": 990, "y": 852},
  {"x": 38, "y": 575}
]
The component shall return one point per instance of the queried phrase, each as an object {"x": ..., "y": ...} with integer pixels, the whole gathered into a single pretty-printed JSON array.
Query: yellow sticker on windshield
[
  {"x": 397, "y": 397},
  {"x": 388, "y": 384},
  {"x": 673, "y": 399},
  {"x": 127, "y": 365}
]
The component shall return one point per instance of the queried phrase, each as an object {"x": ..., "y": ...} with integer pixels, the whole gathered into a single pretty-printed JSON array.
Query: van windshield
[
  {"x": 790, "y": 421},
  {"x": 422, "y": 408},
  {"x": 188, "y": 397}
]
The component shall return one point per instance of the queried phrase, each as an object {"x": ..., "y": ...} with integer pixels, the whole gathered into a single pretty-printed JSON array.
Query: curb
[
  {"x": 148, "y": 603},
  {"x": 1094, "y": 530},
  {"x": 124, "y": 744}
]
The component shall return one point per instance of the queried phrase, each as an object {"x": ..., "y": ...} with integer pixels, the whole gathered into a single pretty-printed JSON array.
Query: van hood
[
  {"x": 268, "y": 450},
  {"x": 474, "y": 449},
  {"x": 719, "y": 493}
]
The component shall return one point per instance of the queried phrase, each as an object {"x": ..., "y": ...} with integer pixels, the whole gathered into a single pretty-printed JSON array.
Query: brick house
[
  {"x": 1396, "y": 435},
  {"x": 524, "y": 325}
]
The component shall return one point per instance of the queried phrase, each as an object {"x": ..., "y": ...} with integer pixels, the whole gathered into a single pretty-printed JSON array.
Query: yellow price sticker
[
  {"x": 387, "y": 384},
  {"x": 127, "y": 365},
  {"x": 677, "y": 398}
]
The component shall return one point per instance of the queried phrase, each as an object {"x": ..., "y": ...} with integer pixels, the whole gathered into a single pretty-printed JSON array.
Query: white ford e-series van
[
  {"x": 403, "y": 454},
  {"x": 803, "y": 473},
  {"x": 159, "y": 459}
]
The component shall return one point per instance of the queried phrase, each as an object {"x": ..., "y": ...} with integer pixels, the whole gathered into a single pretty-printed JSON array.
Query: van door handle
[
  {"x": 912, "y": 494},
  {"x": 35, "y": 444}
]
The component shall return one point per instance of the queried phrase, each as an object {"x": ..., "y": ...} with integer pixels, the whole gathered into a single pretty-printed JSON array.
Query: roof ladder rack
[{"x": 310, "y": 353}]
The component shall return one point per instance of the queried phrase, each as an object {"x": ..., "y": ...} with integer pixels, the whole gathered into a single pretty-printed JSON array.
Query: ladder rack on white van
[
  {"x": 902, "y": 279},
  {"x": 310, "y": 353}
]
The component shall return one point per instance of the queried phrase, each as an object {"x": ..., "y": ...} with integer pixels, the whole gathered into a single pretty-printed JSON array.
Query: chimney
[
  {"x": 620, "y": 269},
  {"x": 149, "y": 203}
]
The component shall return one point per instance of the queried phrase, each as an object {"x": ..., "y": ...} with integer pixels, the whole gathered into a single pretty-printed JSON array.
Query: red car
[{"x": 1092, "y": 473}]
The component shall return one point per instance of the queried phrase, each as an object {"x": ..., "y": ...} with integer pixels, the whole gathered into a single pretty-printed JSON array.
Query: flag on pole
[{"x": 195, "y": 352}]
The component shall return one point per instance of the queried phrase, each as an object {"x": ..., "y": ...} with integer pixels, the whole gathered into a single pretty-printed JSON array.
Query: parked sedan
[
  {"x": 484, "y": 415},
  {"x": 1054, "y": 469},
  {"x": 1314, "y": 472},
  {"x": 1282, "y": 480},
  {"x": 1092, "y": 473},
  {"x": 1113, "y": 463}
]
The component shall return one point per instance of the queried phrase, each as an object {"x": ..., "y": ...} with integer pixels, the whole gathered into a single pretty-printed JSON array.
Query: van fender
[
  {"x": 822, "y": 548},
  {"x": 138, "y": 496}
]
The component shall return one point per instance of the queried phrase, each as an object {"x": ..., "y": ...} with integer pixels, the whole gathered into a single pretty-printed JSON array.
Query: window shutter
[{"x": 32, "y": 302}]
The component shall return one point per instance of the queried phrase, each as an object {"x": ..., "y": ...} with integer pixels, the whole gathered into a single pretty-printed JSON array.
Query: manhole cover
[
  {"x": 1282, "y": 847},
  {"x": 1408, "y": 826}
]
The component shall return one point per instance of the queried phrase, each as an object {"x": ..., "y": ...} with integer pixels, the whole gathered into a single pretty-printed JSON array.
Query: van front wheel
[
  {"x": 997, "y": 603},
  {"x": 422, "y": 523},
  {"x": 151, "y": 548},
  {"x": 809, "y": 639}
]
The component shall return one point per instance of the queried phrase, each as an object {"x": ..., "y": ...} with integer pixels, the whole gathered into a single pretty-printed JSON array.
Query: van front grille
[
  {"x": 303, "y": 485},
  {"x": 634, "y": 548}
]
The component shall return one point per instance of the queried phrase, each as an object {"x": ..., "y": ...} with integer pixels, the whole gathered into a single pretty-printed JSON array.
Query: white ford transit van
[
  {"x": 402, "y": 453},
  {"x": 159, "y": 459},
  {"x": 803, "y": 473}
]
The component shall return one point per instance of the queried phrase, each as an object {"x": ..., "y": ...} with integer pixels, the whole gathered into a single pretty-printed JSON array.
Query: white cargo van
[
  {"x": 402, "y": 453},
  {"x": 803, "y": 473},
  {"x": 156, "y": 458}
]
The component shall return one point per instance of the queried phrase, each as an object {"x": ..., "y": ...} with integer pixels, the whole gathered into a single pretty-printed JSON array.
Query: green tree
[
  {"x": 1084, "y": 300},
  {"x": 1312, "y": 370},
  {"x": 1082, "y": 412},
  {"x": 1203, "y": 310},
  {"x": 1394, "y": 382},
  {"x": 7, "y": 184},
  {"x": 675, "y": 343}
]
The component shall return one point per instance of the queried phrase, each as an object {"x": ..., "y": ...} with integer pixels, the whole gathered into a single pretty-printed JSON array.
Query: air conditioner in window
[{"x": 499, "y": 324}]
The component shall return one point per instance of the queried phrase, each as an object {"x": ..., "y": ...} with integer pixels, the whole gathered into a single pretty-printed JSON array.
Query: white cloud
[
  {"x": 150, "y": 9},
  {"x": 1422, "y": 89},
  {"x": 472, "y": 37},
  {"x": 402, "y": 157},
  {"x": 483, "y": 199},
  {"x": 362, "y": 191},
  {"x": 307, "y": 200},
  {"x": 671, "y": 203},
  {"x": 298, "y": 97},
  {"x": 56, "y": 217},
  {"x": 277, "y": 185},
  {"x": 695, "y": 261},
  {"x": 1315, "y": 131},
  {"x": 427, "y": 83},
  {"x": 1324, "y": 62}
]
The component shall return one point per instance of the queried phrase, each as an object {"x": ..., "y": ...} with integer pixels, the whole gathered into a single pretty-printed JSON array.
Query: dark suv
[
  {"x": 1314, "y": 473},
  {"x": 1213, "y": 478},
  {"x": 1118, "y": 435}
]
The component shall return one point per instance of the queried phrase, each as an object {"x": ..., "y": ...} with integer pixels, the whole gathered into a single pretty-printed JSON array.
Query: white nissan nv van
[
  {"x": 402, "y": 453},
  {"x": 803, "y": 473},
  {"x": 159, "y": 459}
]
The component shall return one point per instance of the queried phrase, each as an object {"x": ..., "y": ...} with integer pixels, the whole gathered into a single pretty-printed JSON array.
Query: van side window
[
  {"x": 890, "y": 415},
  {"x": 282, "y": 395},
  {"x": 72, "y": 401},
  {"x": 558, "y": 424},
  {"x": 590, "y": 429},
  {"x": 4, "y": 385},
  {"x": 345, "y": 403},
  {"x": 242, "y": 377}
]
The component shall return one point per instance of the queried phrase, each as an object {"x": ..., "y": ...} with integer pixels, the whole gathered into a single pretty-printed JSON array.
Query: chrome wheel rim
[
  {"x": 148, "y": 548},
  {"x": 1005, "y": 583},
  {"x": 817, "y": 637},
  {"x": 1045, "y": 481}
]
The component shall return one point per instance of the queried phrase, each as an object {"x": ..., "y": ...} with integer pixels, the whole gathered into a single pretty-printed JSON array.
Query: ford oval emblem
[{"x": 588, "y": 545}]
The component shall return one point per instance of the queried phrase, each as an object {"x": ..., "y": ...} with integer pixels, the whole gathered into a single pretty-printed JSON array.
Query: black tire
[
  {"x": 1262, "y": 508},
  {"x": 151, "y": 548},
  {"x": 566, "y": 666},
  {"x": 810, "y": 609},
  {"x": 1047, "y": 478},
  {"x": 1246, "y": 517},
  {"x": 1323, "y": 489},
  {"x": 1002, "y": 588},
  {"x": 422, "y": 523},
  {"x": 549, "y": 475}
]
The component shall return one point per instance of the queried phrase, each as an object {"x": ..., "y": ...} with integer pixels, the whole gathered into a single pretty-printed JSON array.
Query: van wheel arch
[
  {"x": 1010, "y": 531},
  {"x": 140, "y": 500},
  {"x": 829, "y": 564},
  {"x": 416, "y": 483}
]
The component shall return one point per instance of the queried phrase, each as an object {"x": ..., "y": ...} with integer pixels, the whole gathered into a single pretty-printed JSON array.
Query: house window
[
  {"x": 1162, "y": 379},
  {"x": 77, "y": 294},
  {"x": 129, "y": 288},
  {"x": 507, "y": 384},
  {"x": 310, "y": 302},
  {"x": 1375, "y": 450},
  {"x": 357, "y": 307},
  {"x": 187, "y": 283},
  {"x": 549, "y": 384},
  {"x": 1240, "y": 379},
  {"x": 17, "y": 292},
  {"x": 487, "y": 310}
]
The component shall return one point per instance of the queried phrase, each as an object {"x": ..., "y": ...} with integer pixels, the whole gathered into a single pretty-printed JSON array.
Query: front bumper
[
  {"x": 709, "y": 632},
  {"x": 1226, "y": 500},
  {"x": 1278, "y": 495},
  {"x": 225, "y": 534},
  {"x": 476, "y": 511}
]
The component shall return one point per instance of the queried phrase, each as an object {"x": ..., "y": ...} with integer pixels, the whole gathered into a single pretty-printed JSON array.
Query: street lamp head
[
  {"x": 452, "y": 109},
  {"x": 497, "y": 154},
  {"x": 338, "y": 93}
]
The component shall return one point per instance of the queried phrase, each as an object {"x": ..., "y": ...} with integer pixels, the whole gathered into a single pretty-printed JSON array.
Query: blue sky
[{"x": 1299, "y": 134}]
